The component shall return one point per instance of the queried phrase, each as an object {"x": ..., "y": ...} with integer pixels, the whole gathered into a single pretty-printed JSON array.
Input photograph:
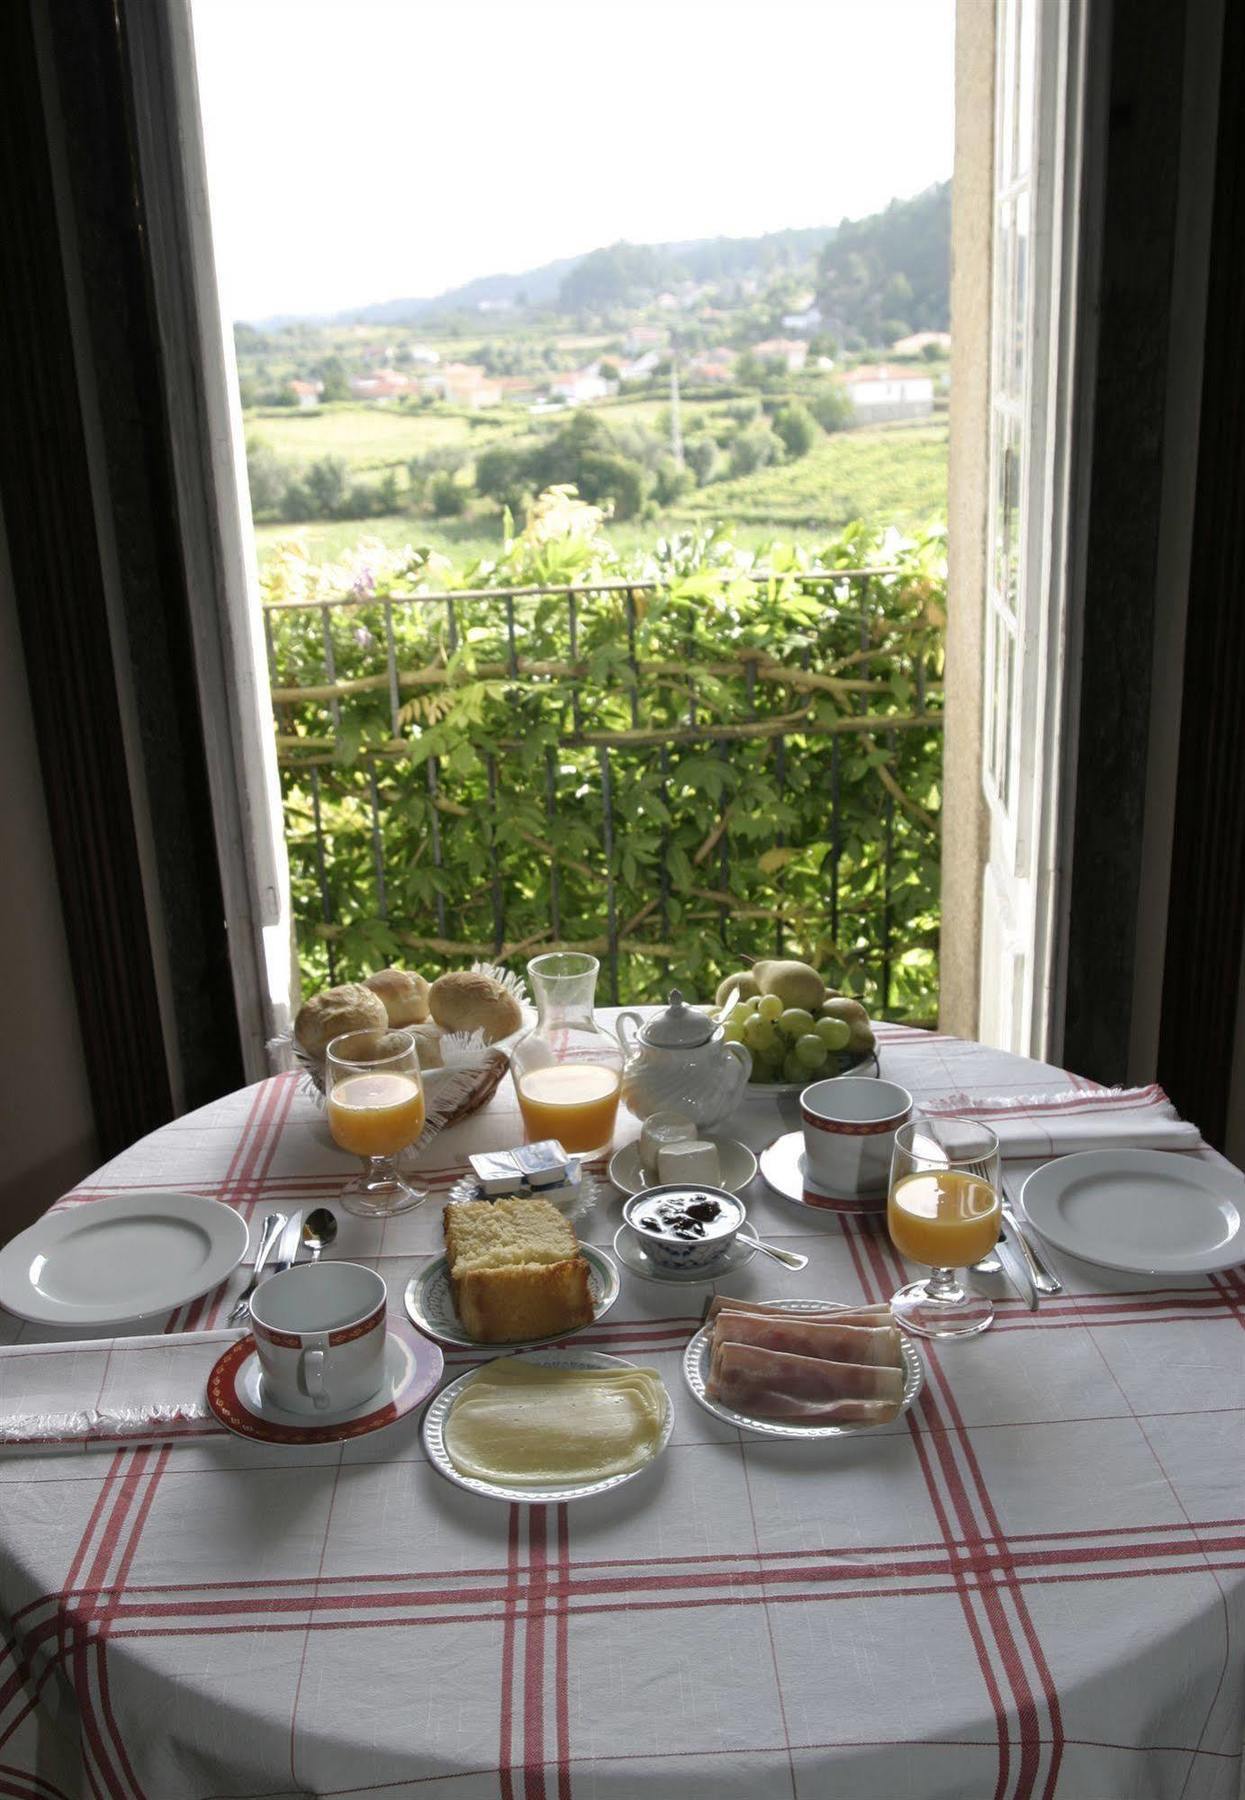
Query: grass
[
  {"x": 370, "y": 437},
  {"x": 889, "y": 474}
]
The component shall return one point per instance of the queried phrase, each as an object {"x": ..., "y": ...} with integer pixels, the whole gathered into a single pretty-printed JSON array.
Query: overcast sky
[{"x": 373, "y": 149}]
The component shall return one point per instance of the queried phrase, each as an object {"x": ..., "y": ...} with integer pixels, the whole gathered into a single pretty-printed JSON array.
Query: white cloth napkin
[
  {"x": 1040, "y": 1125},
  {"x": 101, "y": 1392}
]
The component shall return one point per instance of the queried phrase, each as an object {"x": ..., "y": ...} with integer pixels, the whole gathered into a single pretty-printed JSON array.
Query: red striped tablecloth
[{"x": 1032, "y": 1585}]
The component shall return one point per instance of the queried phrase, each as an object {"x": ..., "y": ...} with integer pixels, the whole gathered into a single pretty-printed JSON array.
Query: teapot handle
[
  {"x": 635, "y": 1021},
  {"x": 744, "y": 1058}
]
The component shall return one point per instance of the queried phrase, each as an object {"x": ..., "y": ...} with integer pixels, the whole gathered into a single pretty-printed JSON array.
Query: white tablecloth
[{"x": 1032, "y": 1585}]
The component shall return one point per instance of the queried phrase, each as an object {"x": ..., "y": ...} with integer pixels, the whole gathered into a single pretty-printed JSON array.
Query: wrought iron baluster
[
  {"x": 391, "y": 655},
  {"x": 607, "y": 842},
  {"x": 499, "y": 903},
  {"x": 780, "y": 836},
  {"x": 836, "y": 844},
  {"x": 724, "y": 848},
  {"x": 322, "y": 876},
  {"x": 572, "y": 625},
  {"x": 451, "y": 621},
  {"x": 551, "y": 814},
  {"x": 663, "y": 879},
  {"x": 631, "y": 658},
  {"x": 434, "y": 831},
  {"x": 330, "y": 665},
  {"x": 378, "y": 853},
  {"x": 512, "y": 654},
  {"x": 888, "y": 862}
]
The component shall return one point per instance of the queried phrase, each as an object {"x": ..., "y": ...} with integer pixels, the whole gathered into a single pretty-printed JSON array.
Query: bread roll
[
  {"x": 404, "y": 993},
  {"x": 326, "y": 1015},
  {"x": 469, "y": 1001}
]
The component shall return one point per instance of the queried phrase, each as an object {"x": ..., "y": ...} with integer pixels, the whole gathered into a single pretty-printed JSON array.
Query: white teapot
[{"x": 680, "y": 1060}]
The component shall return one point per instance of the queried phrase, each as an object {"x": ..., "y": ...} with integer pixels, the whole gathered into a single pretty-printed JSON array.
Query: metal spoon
[
  {"x": 790, "y": 1259},
  {"x": 319, "y": 1231}
]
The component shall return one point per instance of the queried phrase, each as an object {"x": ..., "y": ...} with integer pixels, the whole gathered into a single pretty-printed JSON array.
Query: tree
[
  {"x": 702, "y": 457},
  {"x": 327, "y": 484},
  {"x": 674, "y": 480},
  {"x": 797, "y": 428},
  {"x": 831, "y": 408},
  {"x": 755, "y": 448},
  {"x": 447, "y": 497},
  {"x": 604, "y": 477},
  {"x": 332, "y": 372},
  {"x": 267, "y": 476}
]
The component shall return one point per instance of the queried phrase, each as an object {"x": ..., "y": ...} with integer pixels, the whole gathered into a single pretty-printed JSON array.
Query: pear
[
  {"x": 861, "y": 1038},
  {"x": 743, "y": 984},
  {"x": 842, "y": 1006},
  {"x": 795, "y": 983}
]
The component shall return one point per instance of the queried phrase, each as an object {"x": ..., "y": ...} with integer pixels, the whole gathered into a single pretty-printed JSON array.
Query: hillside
[{"x": 892, "y": 267}]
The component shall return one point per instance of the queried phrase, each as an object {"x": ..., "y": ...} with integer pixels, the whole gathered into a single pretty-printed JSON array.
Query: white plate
[
  {"x": 1148, "y": 1212},
  {"x": 632, "y": 1254},
  {"x": 784, "y": 1168},
  {"x": 696, "y": 1365},
  {"x": 739, "y": 1165},
  {"x": 104, "y": 1262},
  {"x": 438, "y": 1412},
  {"x": 429, "y": 1302},
  {"x": 236, "y": 1395}
]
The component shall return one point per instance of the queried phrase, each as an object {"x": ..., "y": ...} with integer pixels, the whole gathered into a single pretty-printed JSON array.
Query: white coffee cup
[
  {"x": 320, "y": 1336},
  {"x": 849, "y": 1134}
]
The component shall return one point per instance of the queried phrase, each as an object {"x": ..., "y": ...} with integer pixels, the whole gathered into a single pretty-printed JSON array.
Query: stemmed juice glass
[
  {"x": 943, "y": 1210},
  {"x": 375, "y": 1096}
]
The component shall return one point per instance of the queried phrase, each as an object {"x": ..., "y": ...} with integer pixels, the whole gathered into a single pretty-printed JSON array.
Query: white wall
[{"x": 47, "y": 1133}]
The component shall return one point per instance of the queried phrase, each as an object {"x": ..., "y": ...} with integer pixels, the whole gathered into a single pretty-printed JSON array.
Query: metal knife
[
  {"x": 273, "y": 1227},
  {"x": 1016, "y": 1272},
  {"x": 291, "y": 1243},
  {"x": 1042, "y": 1275}
]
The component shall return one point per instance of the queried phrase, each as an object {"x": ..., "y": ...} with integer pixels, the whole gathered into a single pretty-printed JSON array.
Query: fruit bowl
[{"x": 850, "y": 1062}]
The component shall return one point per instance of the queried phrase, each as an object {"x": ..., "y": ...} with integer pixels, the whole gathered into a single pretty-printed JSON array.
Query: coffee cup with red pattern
[
  {"x": 849, "y": 1134},
  {"x": 320, "y": 1336}
]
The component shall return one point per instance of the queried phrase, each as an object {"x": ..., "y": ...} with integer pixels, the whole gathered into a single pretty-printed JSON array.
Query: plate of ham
[{"x": 802, "y": 1368}]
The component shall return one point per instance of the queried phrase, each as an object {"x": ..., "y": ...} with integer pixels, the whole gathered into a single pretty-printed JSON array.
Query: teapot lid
[{"x": 679, "y": 1027}]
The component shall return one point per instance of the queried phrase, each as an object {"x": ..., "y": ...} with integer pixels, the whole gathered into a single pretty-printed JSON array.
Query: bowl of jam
[{"x": 685, "y": 1226}]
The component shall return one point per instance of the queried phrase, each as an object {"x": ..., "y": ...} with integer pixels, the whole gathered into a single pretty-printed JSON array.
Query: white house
[
  {"x": 307, "y": 393},
  {"x": 920, "y": 341},
  {"x": 581, "y": 385},
  {"x": 887, "y": 391},
  {"x": 789, "y": 351},
  {"x": 807, "y": 319}
]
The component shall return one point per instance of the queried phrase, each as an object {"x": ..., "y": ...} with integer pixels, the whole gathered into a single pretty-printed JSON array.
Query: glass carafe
[{"x": 567, "y": 1069}]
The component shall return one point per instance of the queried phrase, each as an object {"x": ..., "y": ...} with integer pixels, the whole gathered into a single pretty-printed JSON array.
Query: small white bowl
[{"x": 670, "y": 1251}]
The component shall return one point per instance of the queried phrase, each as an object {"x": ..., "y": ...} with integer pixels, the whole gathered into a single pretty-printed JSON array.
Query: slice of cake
[{"x": 516, "y": 1270}]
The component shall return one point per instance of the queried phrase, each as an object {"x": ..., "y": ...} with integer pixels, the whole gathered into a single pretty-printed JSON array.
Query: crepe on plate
[{"x": 524, "y": 1423}]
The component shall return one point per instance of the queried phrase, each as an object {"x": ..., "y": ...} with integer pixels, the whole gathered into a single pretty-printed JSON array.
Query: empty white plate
[
  {"x": 104, "y": 1262},
  {"x": 1148, "y": 1212}
]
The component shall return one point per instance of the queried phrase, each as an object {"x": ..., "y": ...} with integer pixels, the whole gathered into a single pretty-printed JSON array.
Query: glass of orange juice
[
  {"x": 376, "y": 1110},
  {"x": 943, "y": 1210},
  {"x": 568, "y": 1068}
]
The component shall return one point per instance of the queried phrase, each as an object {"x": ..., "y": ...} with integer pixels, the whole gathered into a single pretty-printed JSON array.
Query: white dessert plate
[
  {"x": 103, "y": 1262},
  {"x": 784, "y": 1168},
  {"x": 533, "y": 1495},
  {"x": 1147, "y": 1212},
  {"x": 739, "y": 1165},
  {"x": 429, "y": 1302},
  {"x": 632, "y": 1255},
  {"x": 235, "y": 1394},
  {"x": 696, "y": 1369}
]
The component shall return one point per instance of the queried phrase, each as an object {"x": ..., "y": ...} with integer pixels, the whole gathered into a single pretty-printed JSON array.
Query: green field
[
  {"x": 889, "y": 475},
  {"x": 369, "y": 437}
]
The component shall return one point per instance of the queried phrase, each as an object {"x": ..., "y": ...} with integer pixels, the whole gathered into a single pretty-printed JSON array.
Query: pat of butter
[
  {"x": 662, "y": 1128},
  {"x": 689, "y": 1162}
]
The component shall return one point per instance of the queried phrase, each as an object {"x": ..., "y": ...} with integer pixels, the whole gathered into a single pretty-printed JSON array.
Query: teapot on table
[{"x": 680, "y": 1060}]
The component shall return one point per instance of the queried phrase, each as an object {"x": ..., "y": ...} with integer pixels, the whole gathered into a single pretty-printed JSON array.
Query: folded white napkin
[
  {"x": 1040, "y": 1125},
  {"x": 100, "y": 1392}
]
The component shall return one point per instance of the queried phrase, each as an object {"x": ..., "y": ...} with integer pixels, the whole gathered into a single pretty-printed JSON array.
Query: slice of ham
[
  {"x": 769, "y": 1309},
  {"x": 808, "y": 1390},
  {"x": 802, "y": 1334}
]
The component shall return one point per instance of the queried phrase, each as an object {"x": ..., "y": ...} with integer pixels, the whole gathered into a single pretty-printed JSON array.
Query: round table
[{"x": 1031, "y": 1584}]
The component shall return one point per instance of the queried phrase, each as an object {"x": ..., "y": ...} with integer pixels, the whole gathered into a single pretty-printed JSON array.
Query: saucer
[
  {"x": 235, "y": 1393},
  {"x": 632, "y": 1255},
  {"x": 739, "y": 1165},
  {"x": 429, "y": 1301},
  {"x": 783, "y": 1166}
]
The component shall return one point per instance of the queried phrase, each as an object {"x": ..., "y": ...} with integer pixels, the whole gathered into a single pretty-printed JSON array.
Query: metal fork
[{"x": 274, "y": 1225}]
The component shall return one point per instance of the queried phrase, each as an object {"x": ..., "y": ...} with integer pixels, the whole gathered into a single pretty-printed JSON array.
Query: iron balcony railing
[{"x": 592, "y": 710}]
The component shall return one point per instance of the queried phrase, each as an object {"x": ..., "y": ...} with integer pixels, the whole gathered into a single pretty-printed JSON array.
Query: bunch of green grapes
[{"x": 787, "y": 1043}]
